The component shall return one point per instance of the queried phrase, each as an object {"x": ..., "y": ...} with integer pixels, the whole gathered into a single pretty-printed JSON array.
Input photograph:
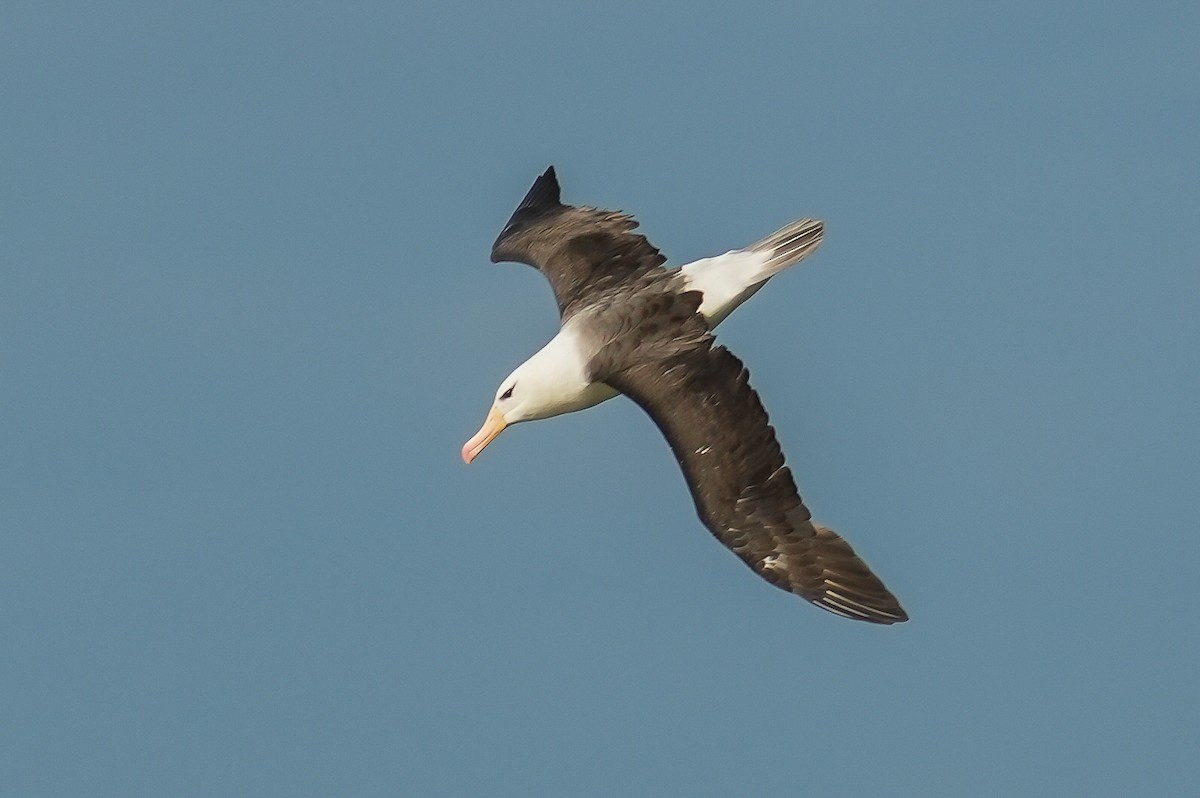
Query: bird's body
[
  {"x": 724, "y": 282},
  {"x": 631, "y": 326}
]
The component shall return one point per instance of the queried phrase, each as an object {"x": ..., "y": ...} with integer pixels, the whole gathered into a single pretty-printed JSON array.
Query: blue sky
[{"x": 247, "y": 320}]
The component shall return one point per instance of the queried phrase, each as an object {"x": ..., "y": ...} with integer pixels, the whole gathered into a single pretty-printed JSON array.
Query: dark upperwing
[
  {"x": 700, "y": 397},
  {"x": 580, "y": 250}
]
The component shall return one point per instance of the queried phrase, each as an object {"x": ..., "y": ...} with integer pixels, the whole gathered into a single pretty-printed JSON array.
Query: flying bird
[{"x": 632, "y": 327}]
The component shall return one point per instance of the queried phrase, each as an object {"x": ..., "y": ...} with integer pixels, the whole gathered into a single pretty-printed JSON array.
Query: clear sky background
[{"x": 247, "y": 320}]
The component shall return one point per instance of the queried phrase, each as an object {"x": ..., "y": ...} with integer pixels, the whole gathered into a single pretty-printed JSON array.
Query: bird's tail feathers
[
  {"x": 728, "y": 280},
  {"x": 788, "y": 245}
]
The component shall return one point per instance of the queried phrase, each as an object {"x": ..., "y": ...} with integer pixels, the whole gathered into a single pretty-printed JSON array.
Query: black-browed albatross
[{"x": 631, "y": 326}]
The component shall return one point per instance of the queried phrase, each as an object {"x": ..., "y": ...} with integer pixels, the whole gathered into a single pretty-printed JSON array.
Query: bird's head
[{"x": 536, "y": 390}]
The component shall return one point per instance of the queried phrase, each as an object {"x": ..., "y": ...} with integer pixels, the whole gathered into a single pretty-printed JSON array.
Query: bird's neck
[{"x": 559, "y": 373}]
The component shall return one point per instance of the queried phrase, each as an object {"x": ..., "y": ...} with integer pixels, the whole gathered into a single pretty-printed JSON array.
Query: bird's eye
[{"x": 508, "y": 394}]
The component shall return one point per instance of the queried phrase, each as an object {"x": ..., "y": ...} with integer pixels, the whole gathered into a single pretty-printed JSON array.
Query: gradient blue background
[{"x": 247, "y": 321}]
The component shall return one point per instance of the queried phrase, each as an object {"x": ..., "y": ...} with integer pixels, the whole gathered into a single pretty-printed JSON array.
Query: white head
[{"x": 550, "y": 383}]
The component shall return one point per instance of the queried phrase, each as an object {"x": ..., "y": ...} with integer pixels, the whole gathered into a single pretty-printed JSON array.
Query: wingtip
[
  {"x": 846, "y": 607},
  {"x": 543, "y": 197},
  {"x": 544, "y": 194},
  {"x": 847, "y": 586}
]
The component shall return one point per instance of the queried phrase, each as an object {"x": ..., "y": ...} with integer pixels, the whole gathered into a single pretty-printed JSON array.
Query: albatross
[{"x": 631, "y": 326}]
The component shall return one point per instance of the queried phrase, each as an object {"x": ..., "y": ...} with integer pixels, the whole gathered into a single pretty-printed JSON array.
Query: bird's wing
[
  {"x": 699, "y": 395},
  {"x": 580, "y": 250}
]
